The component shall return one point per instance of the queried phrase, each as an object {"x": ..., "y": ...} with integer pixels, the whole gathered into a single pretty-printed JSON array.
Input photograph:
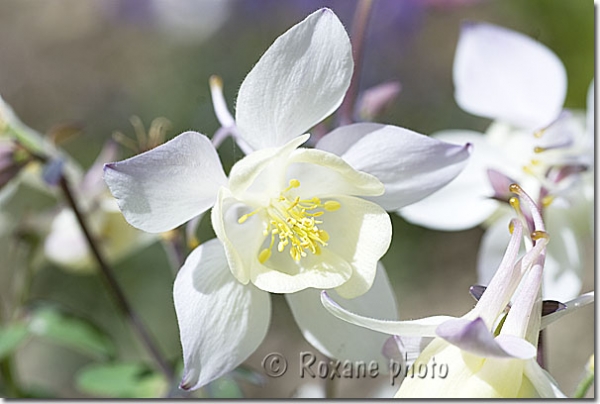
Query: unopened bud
[
  {"x": 376, "y": 99},
  {"x": 501, "y": 185}
]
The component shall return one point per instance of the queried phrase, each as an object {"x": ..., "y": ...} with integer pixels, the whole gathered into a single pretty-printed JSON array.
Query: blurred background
[{"x": 92, "y": 65}]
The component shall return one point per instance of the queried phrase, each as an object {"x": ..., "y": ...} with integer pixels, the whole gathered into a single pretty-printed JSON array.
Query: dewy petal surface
[
  {"x": 504, "y": 75},
  {"x": 465, "y": 202},
  {"x": 410, "y": 165},
  {"x": 336, "y": 338},
  {"x": 162, "y": 188},
  {"x": 221, "y": 321},
  {"x": 300, "y": 80}
]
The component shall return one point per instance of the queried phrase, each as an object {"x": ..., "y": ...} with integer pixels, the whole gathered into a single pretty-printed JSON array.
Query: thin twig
[
  {"x": 114, "y": 287},
  {"x": 345, "y": 114}
]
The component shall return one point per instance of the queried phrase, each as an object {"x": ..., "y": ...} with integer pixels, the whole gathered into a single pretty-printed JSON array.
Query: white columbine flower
[
  {"x": 488, "y": 353},
  {"x": 288, "y": 219},
  {"x": 521, "y": 84}
]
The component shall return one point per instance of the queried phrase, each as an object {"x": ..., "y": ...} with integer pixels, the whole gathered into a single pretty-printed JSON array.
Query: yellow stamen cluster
[{"x": 294, "y": 222}]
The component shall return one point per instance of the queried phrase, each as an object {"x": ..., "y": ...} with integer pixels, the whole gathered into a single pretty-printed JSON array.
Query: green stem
[
  {"x": 584, "y": 385},
  {"x": 113, "y": 286}
]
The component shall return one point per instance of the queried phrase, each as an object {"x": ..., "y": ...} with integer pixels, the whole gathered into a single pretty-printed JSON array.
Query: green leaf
[
  {"x": 120, "y": 380},
  {"x": 71, "y": 332},
  {"x": 11, "y": 337}
]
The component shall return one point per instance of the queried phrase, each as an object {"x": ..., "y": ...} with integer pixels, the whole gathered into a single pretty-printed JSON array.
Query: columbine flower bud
[{"x": 376, "y": 99}]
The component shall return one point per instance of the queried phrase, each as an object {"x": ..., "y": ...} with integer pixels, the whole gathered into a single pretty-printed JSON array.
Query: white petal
[
  {"x": 541, "y": 380},
  {"x": 221, "y": 321},
  {"x": 66, "y": 244},
  {"x": 281, "y": 274},
  {"x": 564, "y": 268},
  {"x": 261, "y": 174},
  {"x": 360, "y": 232},
  {"x": 465, "y": 202},
  {"x": 162, "y": 188},
  {"x": 410, "y": 165},
  {"x": 241, "y": 241},
  {"x": 505, "y": 75},
  {"x": 424, "y": 327},
  {"x": 336, "y": 338},
  {"x": 324, "y": 174},
  {"x": 300, "y": 80}
]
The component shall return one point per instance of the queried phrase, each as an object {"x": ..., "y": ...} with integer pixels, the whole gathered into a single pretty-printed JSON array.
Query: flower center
[{"x": 294, "y": 222}]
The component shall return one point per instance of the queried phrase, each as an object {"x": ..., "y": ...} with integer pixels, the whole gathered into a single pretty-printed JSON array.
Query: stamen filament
[{"x": 293, "y": 222}]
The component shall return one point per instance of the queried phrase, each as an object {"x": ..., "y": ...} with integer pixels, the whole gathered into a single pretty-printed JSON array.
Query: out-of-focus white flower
[
  {"x": 288, "y": 219},
  {"x": 488, "y": 352},
  {"x": 521, "y": 84},
  {"x": 66, "y": 245}
]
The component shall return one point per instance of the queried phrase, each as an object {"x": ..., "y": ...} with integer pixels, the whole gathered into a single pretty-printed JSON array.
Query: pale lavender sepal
[
  {"x": 474, "y": 337},
  {"x": 500, "y": 183}
]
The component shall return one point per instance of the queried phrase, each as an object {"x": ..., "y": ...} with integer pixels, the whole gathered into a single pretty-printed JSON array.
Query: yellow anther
[
  {"x": 528, "y": 170},
  {"x": 538, "y": 234},
  {"x": 292, "y": 221},
  {"x": 169, "y": 235},
  {"x": 515, "y": 189},
  {"x": 539, "y": 133},
  {"x": 535, "y": 162},
  {"x": 193, "y": 242},
  {"x": 247, "y": 215},
  {"x": 514, "y": 202},
  {"x": 539, "y": 149},
  {"x": 511, "y": 227},
  {"x": 317, "y": 250},
  {"x": 332, "y": 206},
  {"x": 547, "y": 200},
  {"x": 215, "y": 81},
  {"x": 264, "y": 255}
]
